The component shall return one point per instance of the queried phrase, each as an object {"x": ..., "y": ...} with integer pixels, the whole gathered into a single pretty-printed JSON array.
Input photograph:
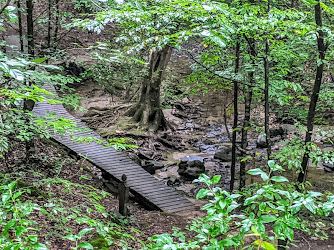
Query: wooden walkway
[{"x": 141, "y": 183}]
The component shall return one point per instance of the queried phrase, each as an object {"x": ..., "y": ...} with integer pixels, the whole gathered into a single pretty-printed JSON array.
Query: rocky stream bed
[{"x": 198, "y": 144}]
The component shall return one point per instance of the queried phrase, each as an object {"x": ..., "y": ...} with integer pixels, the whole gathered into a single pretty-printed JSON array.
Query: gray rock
[
  {"x": 208, "y": 149},
  {"x": 279, "y": 131},
  {"x": 173, "y": 181},
  {"x": 149, "y": 168},
  {"x": 289, "y": 128},
  {"x": 191, "y": 167},
  {"x": 223, "y": 139},
  {"x": 212, "y": 134},
  {"x": 261, "y": 142},
  {"x": 328, "y": 167},
  {"x": 185, "y": 100},
  {"x": 224, "y": 154}
]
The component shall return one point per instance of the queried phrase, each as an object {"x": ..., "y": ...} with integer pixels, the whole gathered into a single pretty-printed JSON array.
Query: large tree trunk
[
  {"x": 148, "y": 111},
  {"x": 315, "y": 93}
]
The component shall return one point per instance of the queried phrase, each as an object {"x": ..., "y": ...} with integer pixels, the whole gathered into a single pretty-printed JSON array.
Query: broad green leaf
[
  {"x": 202, "y": 193},
  {"x": 4, "y": 67},
  {"x": 310, "y": 206},
  {"x": 217, "y": 39},
  {"x": 84, "y": 231},
  {"x": 310, "y": 3},
  {"x": 39, "y": 60},
  {"x": 268, "y": 246},
  {"x": 33, "y": 238},
  {"x": 17, "y": 74},
  {"x": 279, "y": 179},
  {"x": 39, "y": 246},
  {"x": 85, "y": 245},
  {"x": 215, "y": 179},
  {"x": 5, "y": 197},
  {"x": 249, "y": 200},
  {"x": 267, "y": 218},
  {"x": 258, "y": 171},
  {"x": 71, "y": 237}
]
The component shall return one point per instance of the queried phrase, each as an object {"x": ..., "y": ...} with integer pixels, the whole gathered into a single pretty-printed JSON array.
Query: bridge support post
[{"x": 123, "y": 196}]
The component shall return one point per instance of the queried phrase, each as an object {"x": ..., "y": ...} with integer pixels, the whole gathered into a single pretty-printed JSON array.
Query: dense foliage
[{"x": 274, "y": 54}]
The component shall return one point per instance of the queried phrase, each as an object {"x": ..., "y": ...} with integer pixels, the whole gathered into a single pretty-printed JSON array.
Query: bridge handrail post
[{"x": 123, "y": 196}]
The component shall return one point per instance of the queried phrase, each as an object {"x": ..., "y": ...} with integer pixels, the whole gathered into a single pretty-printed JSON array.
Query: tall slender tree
[
  {"x": 30, "y": 27},
  {"x": 235, "y": 117},
  {"x": 322, "y": 47}
]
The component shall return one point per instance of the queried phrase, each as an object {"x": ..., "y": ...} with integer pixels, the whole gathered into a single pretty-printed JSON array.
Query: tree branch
[
  {"x": 4, "y": 7},
  {"x": 222, "y": 77}
]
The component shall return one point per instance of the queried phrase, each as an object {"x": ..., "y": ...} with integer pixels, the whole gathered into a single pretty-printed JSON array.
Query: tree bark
[
  {"x": 30, "y": 28},
  {"x": 266, "y": 94},
  {"x": 315, "y": 93},
  {"x": 19, "y": 16},
  {"x": 55, "y": 35},
  {"x": 248, "y": 103},
  {"x": 49, "y": 23},
  {"x": 148, "y": 111},
  {"x": 235, "y": 116}
]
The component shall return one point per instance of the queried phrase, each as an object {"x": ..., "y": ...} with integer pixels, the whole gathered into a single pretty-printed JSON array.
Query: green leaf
[
  {"x": 17, "y": 74},
  {"x": 12, "y": 17},
  {"x": 5, "y": 197},
  {"x": 258, "y": 171},
  {"x": 4, "y": 67},
  {"x": 202, "y": 193},
  {"x": 215, "y": 179},
  {"x": 85, "y": 245},
  {"x": 310, "y": 3},
  {"x": 267, "y": 218},
  {"x": 279, "y": 179},
  {"x": 32, "y": 238},
  {"x": 268, "y": 246},
  {"x": 250, "y": 200},
  {"x": 84, "y": 231},
  {"x": 310, "y": 206},
  {"x": 39, "y": 246},
  {"x": 39, "y": 60},
  {"x": 217, "y": 39},
  {"x": 18, "y": 194},
  {"x": 288, "y": 232},
  {"x": 71, "y": 237}
]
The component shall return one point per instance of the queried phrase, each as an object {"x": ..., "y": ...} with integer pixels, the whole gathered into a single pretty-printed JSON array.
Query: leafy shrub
[{"x": 272, "y": 202}]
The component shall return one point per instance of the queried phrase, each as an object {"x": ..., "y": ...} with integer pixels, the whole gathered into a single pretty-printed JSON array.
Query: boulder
[
  {"x": 279, "y": 131},
  {"x": 289, "y": 129},
  {"x": 191, "y": 167},
  {"x": 261, "y": 142},
  {"x": 224, "y": 154}
]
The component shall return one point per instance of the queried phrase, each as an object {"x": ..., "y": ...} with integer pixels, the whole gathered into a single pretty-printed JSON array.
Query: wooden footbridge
[{"x": 144, "y": 186}]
